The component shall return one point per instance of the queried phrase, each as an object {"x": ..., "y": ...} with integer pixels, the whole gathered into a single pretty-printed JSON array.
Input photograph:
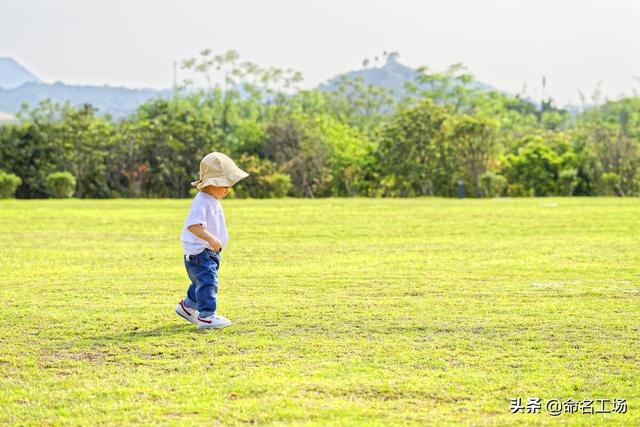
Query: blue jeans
[{"x": 203, "y": 272}]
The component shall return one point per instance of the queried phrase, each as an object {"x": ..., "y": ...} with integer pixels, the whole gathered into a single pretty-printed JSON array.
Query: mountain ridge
[
  {"x": 392, "y": 75},
  {"x": 13, "y": 74},
  {"x": 115, "y": 101},
  {"x": 122, "y": 101}
]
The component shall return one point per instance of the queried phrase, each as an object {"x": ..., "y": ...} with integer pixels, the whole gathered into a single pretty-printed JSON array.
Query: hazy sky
[{"x": 504, "y": 43}]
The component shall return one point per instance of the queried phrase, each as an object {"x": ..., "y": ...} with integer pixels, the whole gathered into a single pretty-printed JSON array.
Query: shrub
[
  {"x": 492, "y": 184},
  {"x": 519, "y": 190},
  {"x": 277, "y": 184},
  {"x": 264, "y": 179},
  {"x": 533, "y": 170},
  {"x": 8, "y": 184},
  {"x": 608, "y": 184},
  {"x": 61, "y": 184}
]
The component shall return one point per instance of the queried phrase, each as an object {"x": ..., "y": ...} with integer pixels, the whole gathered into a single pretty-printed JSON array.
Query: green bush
[
  {"x": 277, "y": 184},
  {"x": 264, "y": 179},
  {"x": 8, "y": 184},
  {"x": 533, "y": 170},
  {"x": 608, "y": 184},
  {"x": 61, "y": 184},
  {"x": 519, "y": 190},
  {"x": 492, "y": 184}
]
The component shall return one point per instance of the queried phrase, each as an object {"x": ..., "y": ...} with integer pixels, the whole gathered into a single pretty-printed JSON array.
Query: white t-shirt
[{"x": 206, "y": 210}]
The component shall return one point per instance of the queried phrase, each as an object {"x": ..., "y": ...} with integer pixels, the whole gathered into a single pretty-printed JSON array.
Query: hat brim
[{"x": 228, "y": 180}]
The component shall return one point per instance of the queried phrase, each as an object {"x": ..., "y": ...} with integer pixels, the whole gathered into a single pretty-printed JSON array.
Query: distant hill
[
  {"x": 18, "y": 85},
  {"x": 392, "y": 75},
  {"x": 116, "y": 101},
  {"x": 13, "y": 74}
]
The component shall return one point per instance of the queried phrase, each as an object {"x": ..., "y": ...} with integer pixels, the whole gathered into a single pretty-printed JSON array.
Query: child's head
[{"x": 218, "y": 173}]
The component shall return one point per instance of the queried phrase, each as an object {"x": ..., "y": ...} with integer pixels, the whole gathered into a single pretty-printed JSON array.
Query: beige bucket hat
[{"x": 219, "y": 170}]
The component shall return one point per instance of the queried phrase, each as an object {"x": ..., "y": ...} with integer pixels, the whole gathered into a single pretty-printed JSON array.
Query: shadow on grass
[{"x": 136, "y": 335}]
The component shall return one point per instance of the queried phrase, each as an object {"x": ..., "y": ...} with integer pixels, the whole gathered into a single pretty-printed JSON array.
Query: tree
[
  {"x": 473, "y": 139},
  {"x": 612, "y": 133},
  {"x": 454, "y": 87},
  {"x": 298, "y": 145},
  {"x": 243, "y": 84},
  {"x": 414, "y": 157},
  {"x": 84, "y": 139},
  {"x": 350, "y": 155},
  {"x": 358, "y": 104}
]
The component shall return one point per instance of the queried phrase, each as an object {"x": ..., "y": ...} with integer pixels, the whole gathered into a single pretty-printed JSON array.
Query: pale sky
[{"x": 505, "y": 43}]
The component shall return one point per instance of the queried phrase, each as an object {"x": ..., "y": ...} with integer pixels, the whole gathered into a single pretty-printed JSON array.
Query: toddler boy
[{"x": 203, "y": 237}]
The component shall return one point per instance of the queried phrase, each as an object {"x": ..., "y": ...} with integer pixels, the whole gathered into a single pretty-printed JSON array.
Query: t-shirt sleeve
[{"x": 197, "y": 215}]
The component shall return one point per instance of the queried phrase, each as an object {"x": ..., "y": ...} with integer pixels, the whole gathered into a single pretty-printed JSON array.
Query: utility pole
[{"x": 175, "y": 76}]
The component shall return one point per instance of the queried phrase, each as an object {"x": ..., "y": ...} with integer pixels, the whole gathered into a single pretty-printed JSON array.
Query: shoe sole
[{"x": 179, "y": 313}]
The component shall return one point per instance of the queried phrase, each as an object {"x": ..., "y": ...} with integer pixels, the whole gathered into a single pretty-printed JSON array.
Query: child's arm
[{"x": 202, "y": 233}]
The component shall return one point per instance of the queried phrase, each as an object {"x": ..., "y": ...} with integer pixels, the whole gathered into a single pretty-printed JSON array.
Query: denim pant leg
[
  {"x": 203, "y": 272},
  {"x": 191, "y": 300}
]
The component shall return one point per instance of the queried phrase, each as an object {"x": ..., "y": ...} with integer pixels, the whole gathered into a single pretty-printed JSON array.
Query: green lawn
[{"x": 345, "y": 311}]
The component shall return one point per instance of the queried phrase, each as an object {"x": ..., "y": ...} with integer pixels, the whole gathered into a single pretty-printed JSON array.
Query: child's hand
[
  {"x": 216, "y": 245},
  {"x": 202, "y": 233}
]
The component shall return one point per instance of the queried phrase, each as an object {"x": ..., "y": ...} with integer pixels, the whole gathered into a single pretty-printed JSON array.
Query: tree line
[{"x": 444, "y": 137}]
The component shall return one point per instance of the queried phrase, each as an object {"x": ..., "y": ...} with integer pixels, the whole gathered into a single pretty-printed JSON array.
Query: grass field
[{"x": 345, "y": 311}]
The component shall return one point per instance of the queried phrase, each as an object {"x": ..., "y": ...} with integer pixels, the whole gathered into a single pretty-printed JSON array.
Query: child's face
[{"x": 217, "y": 192}]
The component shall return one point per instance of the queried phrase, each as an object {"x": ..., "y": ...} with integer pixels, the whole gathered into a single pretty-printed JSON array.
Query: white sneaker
[
  {"x": 213, "y": 322},
  {"x": 188, "y": 313}
]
